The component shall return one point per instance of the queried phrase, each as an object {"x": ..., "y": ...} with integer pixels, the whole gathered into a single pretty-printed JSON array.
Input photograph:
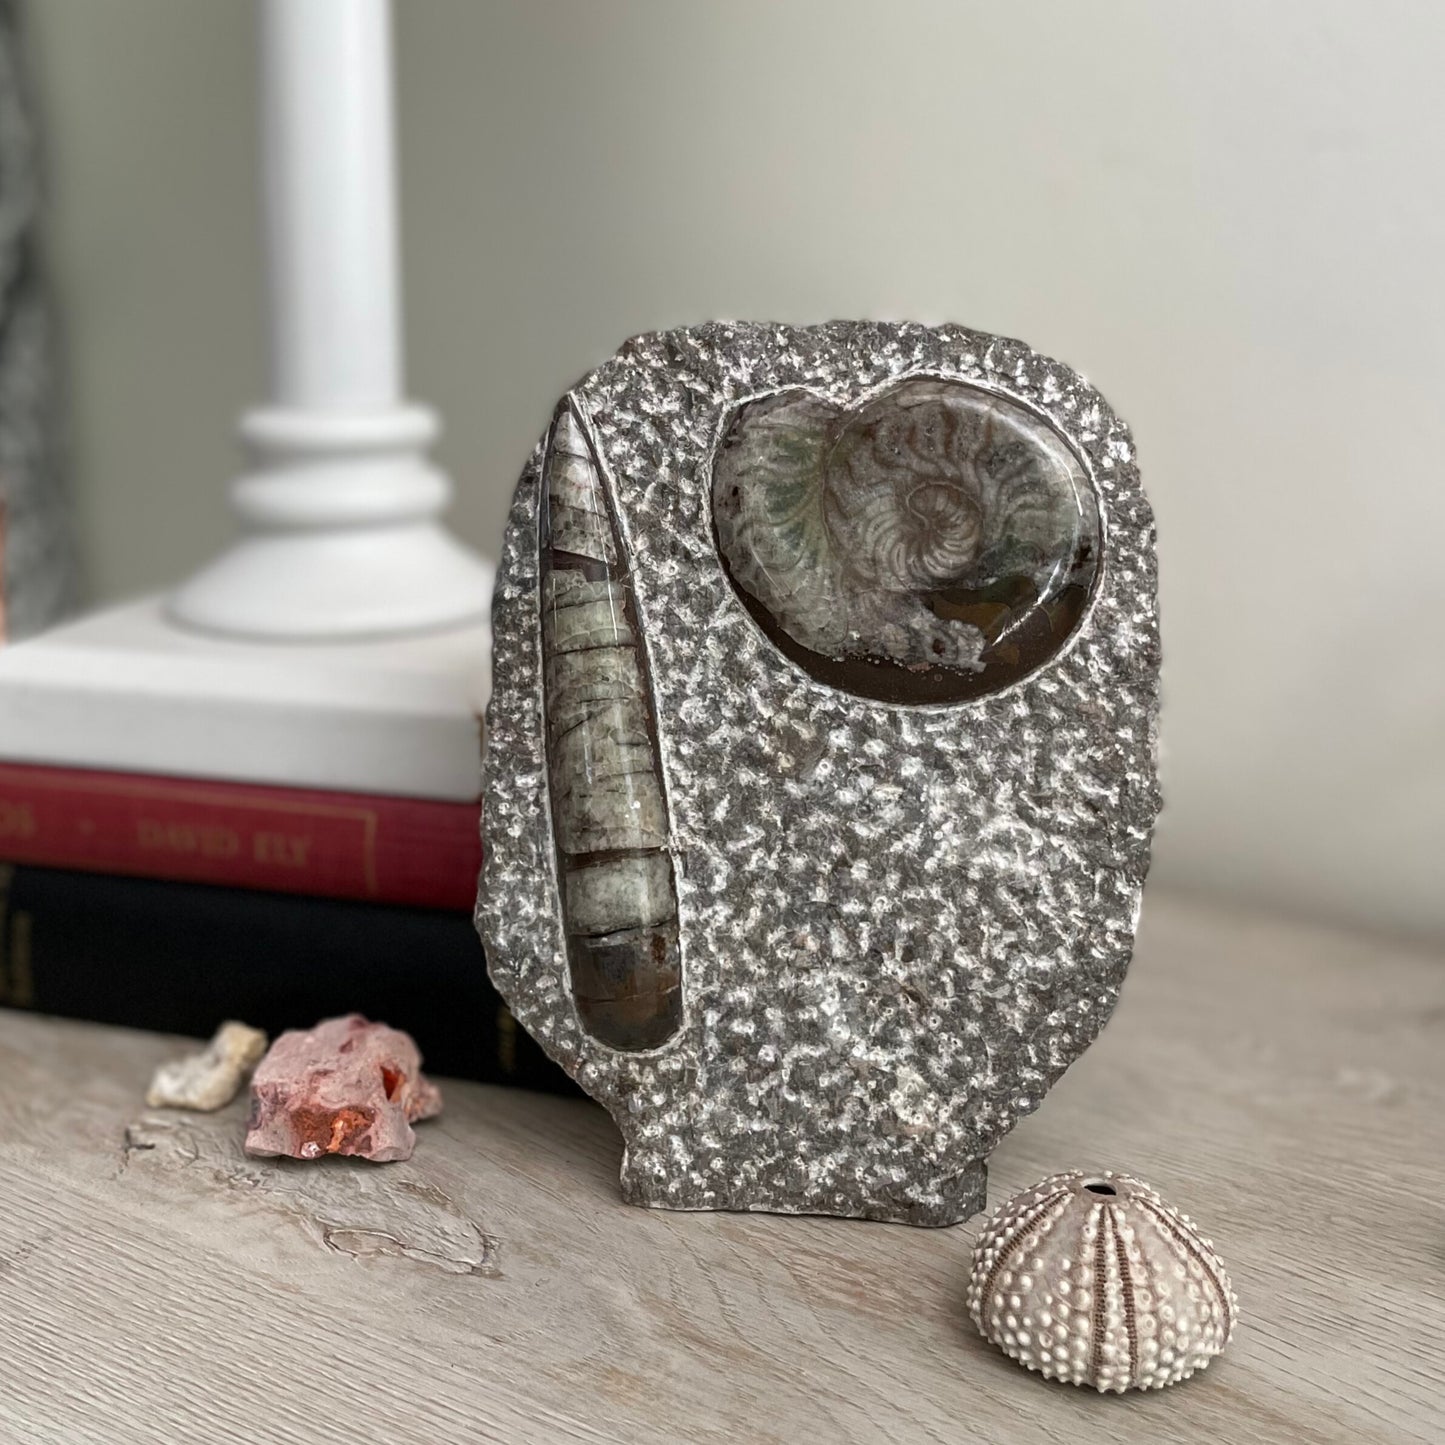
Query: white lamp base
[
  {"x": 344, "y": 538},
  {"x": 125, "y": 690},
  {"x": 363, "y": 582}
]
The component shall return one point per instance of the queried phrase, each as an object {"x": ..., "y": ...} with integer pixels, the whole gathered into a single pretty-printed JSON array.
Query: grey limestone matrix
[{"x": 820, "y": 763}]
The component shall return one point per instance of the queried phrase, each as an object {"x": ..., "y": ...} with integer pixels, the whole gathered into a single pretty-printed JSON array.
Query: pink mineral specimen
[{"x": 345, "y": 1087}]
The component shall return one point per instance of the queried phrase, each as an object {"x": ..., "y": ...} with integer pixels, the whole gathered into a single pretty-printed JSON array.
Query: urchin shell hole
[{"x": 1101, "y": 1187}]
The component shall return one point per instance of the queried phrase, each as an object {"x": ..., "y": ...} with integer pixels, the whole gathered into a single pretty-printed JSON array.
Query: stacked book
[{"x": 171, "y": 903}]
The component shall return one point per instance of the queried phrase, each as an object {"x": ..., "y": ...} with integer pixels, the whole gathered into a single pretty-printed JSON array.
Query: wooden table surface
[{"x": 1283, "y": 1085}]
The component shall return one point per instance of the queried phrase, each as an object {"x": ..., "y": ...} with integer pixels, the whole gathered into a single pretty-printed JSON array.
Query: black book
[{"x": 182, "y": 957}]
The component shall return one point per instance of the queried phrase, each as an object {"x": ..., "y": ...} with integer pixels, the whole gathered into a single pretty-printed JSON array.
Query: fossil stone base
[
  {"x": 815, "y": 933},
  {"x": 748, "y": 1189}
]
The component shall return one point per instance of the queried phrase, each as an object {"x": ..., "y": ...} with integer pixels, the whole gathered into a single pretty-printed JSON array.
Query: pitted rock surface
[{"x": 898, "y": 923}]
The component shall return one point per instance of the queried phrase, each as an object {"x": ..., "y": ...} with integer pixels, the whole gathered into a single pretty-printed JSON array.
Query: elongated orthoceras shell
[{"x": 609, "y": 817}]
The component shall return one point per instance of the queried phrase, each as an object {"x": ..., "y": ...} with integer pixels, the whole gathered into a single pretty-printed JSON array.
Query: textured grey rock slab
[{"x": 898, "y": 924}]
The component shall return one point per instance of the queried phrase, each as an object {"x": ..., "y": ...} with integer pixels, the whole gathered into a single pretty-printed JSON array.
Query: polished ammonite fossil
[
  {"x": 820, "y": 758},
  {"x": 936, "y": 542}
]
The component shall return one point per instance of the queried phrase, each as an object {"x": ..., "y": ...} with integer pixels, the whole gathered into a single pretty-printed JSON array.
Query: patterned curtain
[{"x": 39, "y": 564}]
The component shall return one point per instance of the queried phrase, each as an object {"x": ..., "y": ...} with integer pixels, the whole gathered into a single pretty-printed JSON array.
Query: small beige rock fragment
[{"x": 210, "y": 1079}]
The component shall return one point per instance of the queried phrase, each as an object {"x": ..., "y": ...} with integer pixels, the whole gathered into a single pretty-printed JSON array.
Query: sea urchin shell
[{"x": 1093, "y": 1279}]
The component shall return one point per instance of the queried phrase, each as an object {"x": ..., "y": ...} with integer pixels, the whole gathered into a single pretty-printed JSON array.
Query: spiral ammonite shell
[
  {"x": 1093, "y": 1279},
  {"x": 932, "y": 544}
]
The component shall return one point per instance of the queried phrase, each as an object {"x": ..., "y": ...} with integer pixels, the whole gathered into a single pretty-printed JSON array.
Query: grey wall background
[{"x": 1227, "y": 215}]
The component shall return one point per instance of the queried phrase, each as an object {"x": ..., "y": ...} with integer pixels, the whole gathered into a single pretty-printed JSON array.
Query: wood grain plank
[{"x": 1284, "y": 1085}]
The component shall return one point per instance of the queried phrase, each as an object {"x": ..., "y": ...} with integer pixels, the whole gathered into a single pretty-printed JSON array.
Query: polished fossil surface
[
  {"x": 896, "y": 921},
  {"x": 619, "y": 906},
  {"x": 937, "y": 542}
]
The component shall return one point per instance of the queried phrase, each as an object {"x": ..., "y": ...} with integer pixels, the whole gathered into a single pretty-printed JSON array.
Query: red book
[{"x": 293, "y": 840}]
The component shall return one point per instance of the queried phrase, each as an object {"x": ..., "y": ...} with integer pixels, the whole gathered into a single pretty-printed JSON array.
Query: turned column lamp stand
[{"x": 342, "y": 641}]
